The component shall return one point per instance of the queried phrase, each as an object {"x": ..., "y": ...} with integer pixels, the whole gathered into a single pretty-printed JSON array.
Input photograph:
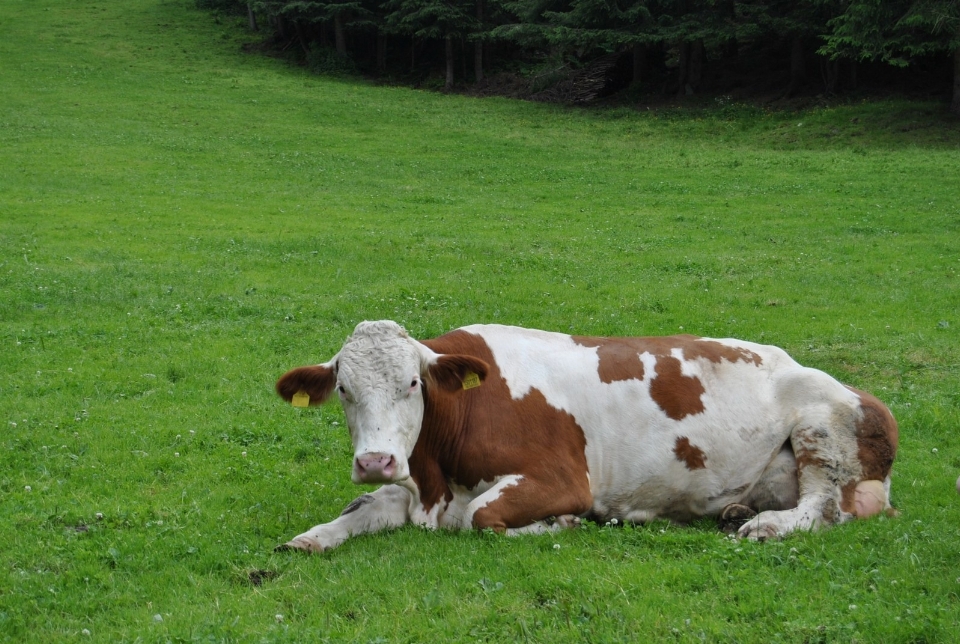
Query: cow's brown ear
[
  {"x": 453, "y": 372},
  {"x": 316, "y": 381}
]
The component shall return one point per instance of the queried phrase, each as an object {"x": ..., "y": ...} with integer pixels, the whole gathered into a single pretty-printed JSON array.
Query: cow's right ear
[{"x": 316, "y": 381}]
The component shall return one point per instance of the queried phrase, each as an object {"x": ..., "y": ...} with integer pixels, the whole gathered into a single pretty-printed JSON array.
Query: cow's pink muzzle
[{"x": 375, "y": 467}]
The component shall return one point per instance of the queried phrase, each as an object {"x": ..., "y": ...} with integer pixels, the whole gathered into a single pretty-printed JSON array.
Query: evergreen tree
[
  {"x": 340, "y": 13},
  {"x": 898, "y": 31},
  {"x": 694, "y": 27},
  {"x": 799, "y": 24},
  {"x": 433, "y": 19},
  {"x": 609, "y": 25},
  {"x": 687, "y": 32}
]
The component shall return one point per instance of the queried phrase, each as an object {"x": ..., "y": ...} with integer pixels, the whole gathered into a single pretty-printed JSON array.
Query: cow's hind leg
[
  {"x": 844, "y": 445},
  {"x": 827, "y": 471}
]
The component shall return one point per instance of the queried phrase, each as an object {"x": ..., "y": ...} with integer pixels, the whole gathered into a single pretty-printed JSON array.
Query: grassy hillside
[{"x": 180, "y": 223}]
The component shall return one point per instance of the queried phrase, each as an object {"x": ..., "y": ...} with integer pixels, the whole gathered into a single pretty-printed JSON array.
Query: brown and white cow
[{"x": 520, "y": 430}]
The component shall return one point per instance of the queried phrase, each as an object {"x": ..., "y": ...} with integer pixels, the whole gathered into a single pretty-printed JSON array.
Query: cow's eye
[
  {"x": 414, "y": 383},
  {"x": 341, "y": 390}
]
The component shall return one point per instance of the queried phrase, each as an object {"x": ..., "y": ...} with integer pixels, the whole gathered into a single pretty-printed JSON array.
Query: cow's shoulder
[{"x": 500, "y": 427}]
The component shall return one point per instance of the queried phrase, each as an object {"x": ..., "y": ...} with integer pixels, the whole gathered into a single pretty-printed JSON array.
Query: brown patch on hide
[
  {"x": 688, "y": 454},
  {"x": 877, "y": 437},
  {"x": 717, "y": 352},
  {"x": 619, "y": 357},
  {"x": 676, "y": 394},
  {"x": 848, "y": 497},
  {"x": 616, "y": 354}
]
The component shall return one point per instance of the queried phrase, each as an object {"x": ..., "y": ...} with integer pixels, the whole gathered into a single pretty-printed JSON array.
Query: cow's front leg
[
  {"x": 517, "y": 505},
  {"x": 387, "y": 507}
]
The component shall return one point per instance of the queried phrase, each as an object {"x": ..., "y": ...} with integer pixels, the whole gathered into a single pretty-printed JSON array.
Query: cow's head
[{"x": 380, "y": 375}]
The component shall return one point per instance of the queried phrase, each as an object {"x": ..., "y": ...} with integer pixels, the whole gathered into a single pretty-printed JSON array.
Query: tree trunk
[
  {"x": 682, "y": 68},
  {"x": 955, "y": 103},
  {"x": 338, "y": 34},
  {"x": 303, "y": 41},
  {"x": 381, "y": 51},
  {"x": 698, "y": 55},
  {"x": 251, "y": 18},
  {"x": 829, "y": 69},
  {"x": 731, "y": 49},
  {"x": 448, "y": 84},
  {"x": 478, "y": 61},
  {"x": 639, "y": 61},
  {"x": 478, "y": 47},
  {"x": 798, "y": 70}
]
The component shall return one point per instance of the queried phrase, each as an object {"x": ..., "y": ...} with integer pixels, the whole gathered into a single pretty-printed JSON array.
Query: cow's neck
[{"x": 436, "y": 457}]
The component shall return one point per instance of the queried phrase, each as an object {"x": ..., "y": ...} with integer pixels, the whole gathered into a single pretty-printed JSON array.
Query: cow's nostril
[{"x": 374, "y": 467}]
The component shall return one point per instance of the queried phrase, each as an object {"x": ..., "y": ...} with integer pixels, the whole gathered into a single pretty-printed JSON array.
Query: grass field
[{"x": 181, "y": 222}]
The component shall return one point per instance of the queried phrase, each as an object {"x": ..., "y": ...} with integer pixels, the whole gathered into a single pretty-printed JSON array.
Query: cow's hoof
[
  {"x": 757, "y": 531},
  {"x": 300, "y": 543},
  {"x": 733, "y": 517},
  {"x": 568, "y": 521}
]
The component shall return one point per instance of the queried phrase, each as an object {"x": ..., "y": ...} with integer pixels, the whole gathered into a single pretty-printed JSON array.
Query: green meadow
[{"x": 181, "y": 222}]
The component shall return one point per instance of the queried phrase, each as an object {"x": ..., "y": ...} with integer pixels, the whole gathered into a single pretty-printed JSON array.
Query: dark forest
[{"x": 647, "y": 51}]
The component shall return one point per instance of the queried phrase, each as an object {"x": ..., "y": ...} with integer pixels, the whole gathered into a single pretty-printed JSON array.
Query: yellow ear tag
[
  {"x": 471, "y": 380},
  {"x": 301, "y": 399}
]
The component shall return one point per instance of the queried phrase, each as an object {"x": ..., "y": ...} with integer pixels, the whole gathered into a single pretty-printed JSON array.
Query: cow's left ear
[
  {"x": 453, "y": 372},
  {"x": 316, "y": 381}
]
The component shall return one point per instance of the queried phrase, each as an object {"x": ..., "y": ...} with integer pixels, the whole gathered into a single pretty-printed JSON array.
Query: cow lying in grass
[{"x": 521, "y": 431}]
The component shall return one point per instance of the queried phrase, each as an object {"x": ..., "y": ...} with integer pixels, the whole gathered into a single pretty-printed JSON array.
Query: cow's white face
[
  {"x": 380, "y": 384},
  {"x": 379, "y": 376}
]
